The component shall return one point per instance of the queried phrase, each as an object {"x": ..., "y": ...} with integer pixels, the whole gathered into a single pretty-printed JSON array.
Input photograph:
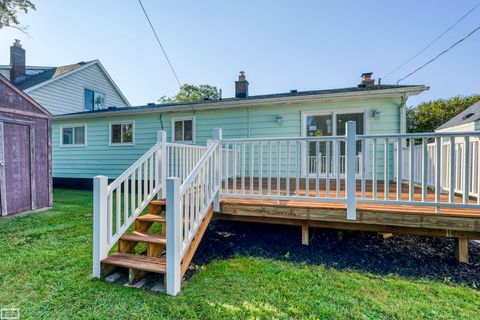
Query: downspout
[
  {"x": 403, "y": 114},
  {"x": 248, "y": 122}
]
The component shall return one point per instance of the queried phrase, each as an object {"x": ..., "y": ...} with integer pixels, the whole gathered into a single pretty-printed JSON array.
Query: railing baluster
[
  {"x": 411, "y": 182},
  {"x": 298, "y": 169},
  {"x": 287, "y": 171},
  {"x": 374, "y": 169},
  {"x": 451, "y": 195},
  {"x": 337, "y": 152},
  {"x": 125, "y": 201},
  {"x": 243, "y": 167},
  {"x": 235, "y": 161},
  {"x": 145, "y": 180},
  {"x": 477, "y": 166},
  {"x": 139, "y": 186},
  {"x": 317, "y": 177},
  {"x": 386, "y": 178},
  {"x": 438, "y": 169},
  {"x": 269, "y": 187},
  {"x": 363, "y": 170},
  {"x": 399, "y": 169},
  {"x": 278, "y": 167},
  {"x": 151, "y": 175},
  {"x": 424, "y": 170},
  {"x": 133, "y": 202},
  {"x": 327, "y": 170},
  {"x": 466, "y": 170},
  {"x": 251, "y": 170},
  {"x": 260, "y": 169}
]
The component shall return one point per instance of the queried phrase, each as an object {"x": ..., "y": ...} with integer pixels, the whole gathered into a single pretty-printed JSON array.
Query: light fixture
[
  {"x": 279, "y": 119},
  {"x": 375, "y": 113}
]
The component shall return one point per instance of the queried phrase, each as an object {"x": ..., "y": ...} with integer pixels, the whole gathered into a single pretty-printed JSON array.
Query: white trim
[
  {"x": 175, "y": 119},
  {"x": 73, "y": 145},
  {"x": 121, "y": 144},
  {"x": 86, "y": 65}
]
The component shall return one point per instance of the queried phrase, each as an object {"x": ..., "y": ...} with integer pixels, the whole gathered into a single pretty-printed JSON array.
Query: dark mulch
[{"x": 407, "y": 256}]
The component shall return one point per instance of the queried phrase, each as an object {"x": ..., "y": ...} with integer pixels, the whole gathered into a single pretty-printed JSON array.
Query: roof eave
[{"x": 384, "y": 93}]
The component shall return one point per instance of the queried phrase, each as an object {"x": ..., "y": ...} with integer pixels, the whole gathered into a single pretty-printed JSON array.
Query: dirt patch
[{"x": 407, "y": 256}]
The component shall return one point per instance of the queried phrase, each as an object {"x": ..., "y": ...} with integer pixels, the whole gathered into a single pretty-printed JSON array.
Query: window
[
  {"x": 122, "y": 133},
  {"x": 183, "y": 130},
  {"x": 73, "y": 136},
  {"x": 94, "y": 100}
]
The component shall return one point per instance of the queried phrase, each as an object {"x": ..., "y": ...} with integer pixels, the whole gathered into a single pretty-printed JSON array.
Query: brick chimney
[
  {"x": 241, "y": 86},
  {"x": 367, "y": 80},
  {"x": 17, "y": 61}
]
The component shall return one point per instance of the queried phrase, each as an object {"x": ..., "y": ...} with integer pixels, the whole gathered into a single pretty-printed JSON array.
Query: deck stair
[{"x": 178, "y": 186}]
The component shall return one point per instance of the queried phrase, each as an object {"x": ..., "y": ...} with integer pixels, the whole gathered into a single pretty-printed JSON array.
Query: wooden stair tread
[
  {"x": 152, "y": 218},
  {"x": 137, "y": 262},
  {"x": 144, "y": 237},
  {"x": 160, "y": 202}
]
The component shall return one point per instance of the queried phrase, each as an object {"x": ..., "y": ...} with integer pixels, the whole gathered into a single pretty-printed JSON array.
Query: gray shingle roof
[
  {"x": 470, "y": 114},
  {"x": 293, "y": 93},
  {"x": 46, "y": 75}
]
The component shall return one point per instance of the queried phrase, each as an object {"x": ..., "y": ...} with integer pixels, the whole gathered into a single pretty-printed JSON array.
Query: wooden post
[
  {"x": 162, "y": 137},
  {"x": 461, "y": 249},
  {"x": 173, "y": 237},
  {"x": 305, "y": 236},
  {"x": 217, "y": 136},
  {"x": 350, "y": 158},
  {"x": 100, "y": 221}
]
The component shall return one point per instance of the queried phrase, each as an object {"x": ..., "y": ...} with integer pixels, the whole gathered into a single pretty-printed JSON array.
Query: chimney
[
  {"x": 367, "y": 80},
  {"x": 17, "y": 61},
  {"x": 241, "y": 86}
]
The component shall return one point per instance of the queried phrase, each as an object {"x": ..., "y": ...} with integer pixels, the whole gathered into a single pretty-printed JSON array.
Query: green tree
[
  {"x": 428, "y": 116},
  {"x": 191, "y": 93},
  {"x": 9, "y": 10}
]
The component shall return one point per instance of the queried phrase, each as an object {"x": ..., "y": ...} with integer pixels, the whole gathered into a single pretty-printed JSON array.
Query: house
[
  {"x": 466, "y": 121},
  {"x": 25, "y": 152},
  {"x": 64, "y": 89},
  {"x": 108, "y": 141}
]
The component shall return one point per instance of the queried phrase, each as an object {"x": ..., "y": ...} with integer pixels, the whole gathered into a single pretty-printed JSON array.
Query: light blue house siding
[{"x": 98, "y": 157}]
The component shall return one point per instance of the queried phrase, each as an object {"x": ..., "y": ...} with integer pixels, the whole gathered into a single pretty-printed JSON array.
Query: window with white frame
[
  {"x": 183, "y": 130},
  {"x": 122, "y": 133},
  {"x": 73, "y": 136}
]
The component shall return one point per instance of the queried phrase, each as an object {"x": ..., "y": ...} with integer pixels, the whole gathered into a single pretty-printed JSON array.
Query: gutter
[{"x": 384, "y": 93}]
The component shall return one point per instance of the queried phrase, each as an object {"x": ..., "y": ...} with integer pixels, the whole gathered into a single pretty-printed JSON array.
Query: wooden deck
[{"x": 385, "y": 218}]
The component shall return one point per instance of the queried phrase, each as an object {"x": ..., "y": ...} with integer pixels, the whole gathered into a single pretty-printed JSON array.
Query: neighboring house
[
  {"x": 78, "y": 87},
  {"x": 25, "y": 152},
  {"x": 466, "y": 121},
  {"x": 108, "y": 141}
]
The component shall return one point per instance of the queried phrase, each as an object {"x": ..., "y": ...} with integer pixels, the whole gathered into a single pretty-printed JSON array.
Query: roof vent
[{"x": 468, "y": 115}]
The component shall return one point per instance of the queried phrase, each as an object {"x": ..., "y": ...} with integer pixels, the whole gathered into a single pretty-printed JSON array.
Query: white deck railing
[
  {"x": 434, "y": 169},
  {"x": 187, "y": 205}
]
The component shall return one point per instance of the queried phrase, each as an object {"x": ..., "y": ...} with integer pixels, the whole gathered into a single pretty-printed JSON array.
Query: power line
[
  {"x": 431, "y": 43},
  {"x": 160, "y": 43},
  {"x": 440, "y": 54}
]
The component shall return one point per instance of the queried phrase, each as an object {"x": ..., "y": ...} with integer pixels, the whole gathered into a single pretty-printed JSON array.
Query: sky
[{"x": 281, "y": 45}]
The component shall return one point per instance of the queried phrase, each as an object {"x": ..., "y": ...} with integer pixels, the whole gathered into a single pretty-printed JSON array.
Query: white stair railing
[
  {"x": 116, "y": 206},
  {"x": 187, "y": 205}
]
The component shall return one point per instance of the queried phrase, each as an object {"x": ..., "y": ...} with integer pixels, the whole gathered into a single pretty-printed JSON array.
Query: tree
[
  {"x": 8, "y": 12},
  {"x": 191, "y": 93},
  {"x": 428, "y": 116}
]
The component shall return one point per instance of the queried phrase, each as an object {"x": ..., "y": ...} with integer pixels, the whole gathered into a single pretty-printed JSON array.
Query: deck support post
[
  {"x": 217, "y": 136},
  {"x": 173, "y": 264},
  {"x": 305, "y": 235},
  {"x": 461, "y": 249},
  {"x": 351, "y": 183},
  {"x": 100, "y": 222},
  {"x": 162, "y": 162}
]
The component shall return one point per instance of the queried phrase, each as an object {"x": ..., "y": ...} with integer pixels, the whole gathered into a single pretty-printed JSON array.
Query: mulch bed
[{"x": 407, "y": 256}]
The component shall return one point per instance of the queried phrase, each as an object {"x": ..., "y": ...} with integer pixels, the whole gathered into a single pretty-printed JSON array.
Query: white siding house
[
  {"x": 466, "y": 121},
  {"x": 78, "y": 87}
]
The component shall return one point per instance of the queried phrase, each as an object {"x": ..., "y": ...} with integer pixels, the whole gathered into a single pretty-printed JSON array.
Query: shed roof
[{"x": 470, "y": 114}]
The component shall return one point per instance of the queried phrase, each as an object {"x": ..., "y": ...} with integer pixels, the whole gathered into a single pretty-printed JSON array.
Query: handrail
[
  {"x": 419, "y": 135},
  {"x": 323, "y": 138},
  {"x": 134, "y": 166},
  {"x": 189, "y": 179}
]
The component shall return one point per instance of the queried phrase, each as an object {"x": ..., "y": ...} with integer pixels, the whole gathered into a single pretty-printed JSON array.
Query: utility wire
[
  {"x": 431, "y": 43},
  {"x": 440, "y": 54},
  {"x": 160, "y": 43}
]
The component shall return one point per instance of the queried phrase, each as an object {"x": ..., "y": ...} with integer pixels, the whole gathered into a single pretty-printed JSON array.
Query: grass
[{"x": 45, "y": 267}]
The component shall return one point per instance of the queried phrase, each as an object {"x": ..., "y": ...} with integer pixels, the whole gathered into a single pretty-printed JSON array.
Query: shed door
[{"x": 16, "y": 181}]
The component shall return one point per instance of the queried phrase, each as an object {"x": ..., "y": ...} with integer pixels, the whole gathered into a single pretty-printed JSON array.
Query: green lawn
[{"x": 45, "y": 266}]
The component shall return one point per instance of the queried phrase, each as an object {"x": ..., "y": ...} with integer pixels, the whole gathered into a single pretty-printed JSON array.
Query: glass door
[{"x": 318, "y": 126}]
